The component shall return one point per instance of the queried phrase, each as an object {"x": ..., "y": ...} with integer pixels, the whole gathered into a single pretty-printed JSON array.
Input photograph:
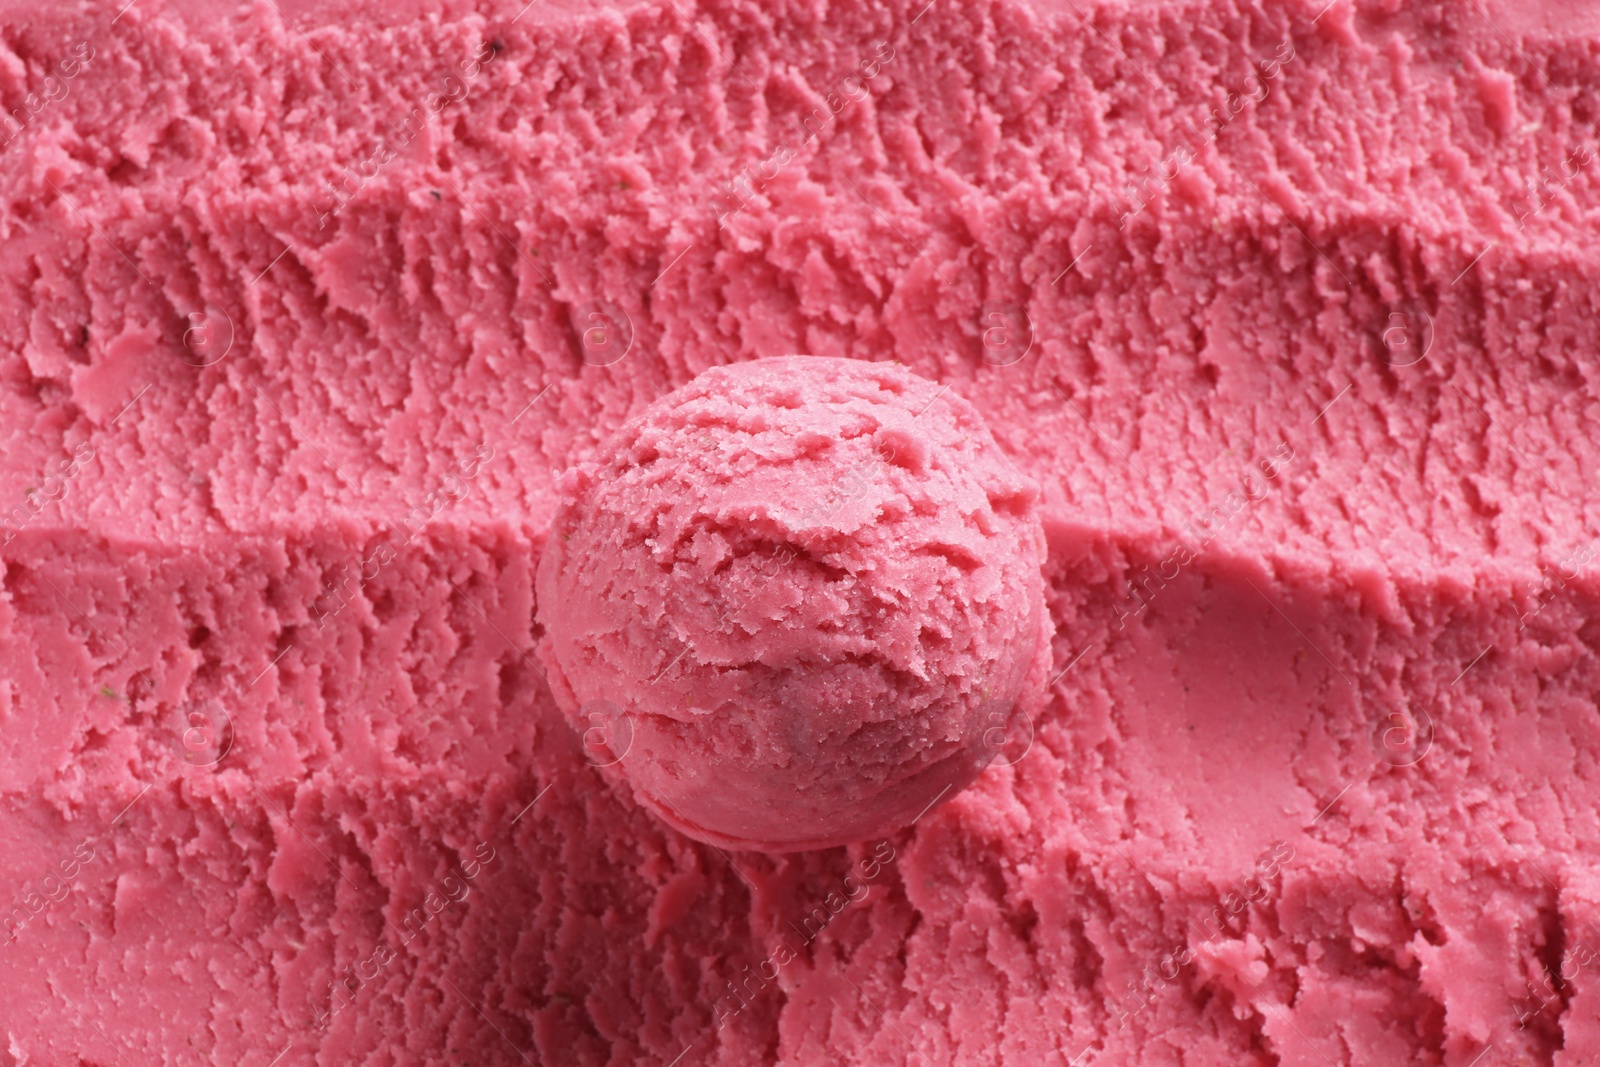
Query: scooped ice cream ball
[{"x": 795, "y": 602}]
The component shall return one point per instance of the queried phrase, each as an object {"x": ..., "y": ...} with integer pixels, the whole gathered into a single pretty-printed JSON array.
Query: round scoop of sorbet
[{"x": 795, "y": 602}]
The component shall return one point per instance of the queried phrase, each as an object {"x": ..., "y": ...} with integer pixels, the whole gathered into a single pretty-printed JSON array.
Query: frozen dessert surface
[
  {"x": 805, "y": 594},
  {"x": 1288, "y": 308}
]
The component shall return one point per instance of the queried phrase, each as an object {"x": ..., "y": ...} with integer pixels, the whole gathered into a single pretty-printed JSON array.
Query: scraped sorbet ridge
[
  {"x": 1288, "y": 308},
  {"x": 802, "y": 594}
]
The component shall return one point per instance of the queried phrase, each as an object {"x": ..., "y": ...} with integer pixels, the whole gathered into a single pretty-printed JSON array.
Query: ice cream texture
[
  {"x": 802, "y": 597},
  {"x": 1288, "y": 308}
]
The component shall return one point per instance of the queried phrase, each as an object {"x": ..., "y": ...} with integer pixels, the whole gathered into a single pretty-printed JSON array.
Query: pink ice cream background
[{"x": 1319, "y": 793}]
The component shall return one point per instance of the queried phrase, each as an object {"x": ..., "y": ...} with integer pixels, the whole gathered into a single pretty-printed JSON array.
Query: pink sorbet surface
[
  {"x": 1289, "y": 308},
  {"x": 808, "y": 589}
]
